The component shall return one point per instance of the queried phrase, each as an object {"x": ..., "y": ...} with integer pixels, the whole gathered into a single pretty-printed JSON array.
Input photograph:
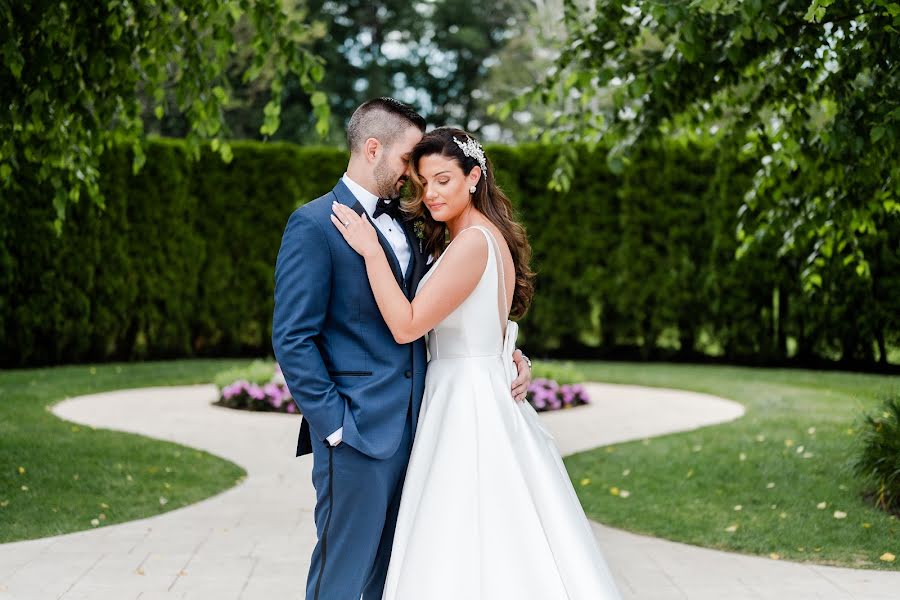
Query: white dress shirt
[{"x": 390, "y": 229}]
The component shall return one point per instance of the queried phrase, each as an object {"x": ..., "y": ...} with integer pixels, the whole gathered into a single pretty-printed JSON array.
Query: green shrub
[
  {"x": 637, "y": 264},
  {"x": 561, "y": 372},
  {"x": 258, "y": 372},
  {"x": 179, "y": 263},
  {"x": 879, "y": 458}
]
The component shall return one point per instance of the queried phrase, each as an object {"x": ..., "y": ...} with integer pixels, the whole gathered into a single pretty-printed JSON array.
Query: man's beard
[{"x": 386, "y": 181}]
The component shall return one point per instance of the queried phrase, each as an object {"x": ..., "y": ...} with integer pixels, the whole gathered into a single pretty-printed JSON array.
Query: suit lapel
[
  {"x": 389, "y": 252},
  {"x": 415, "y": 256},
  {"x": 346, "y": 197}
]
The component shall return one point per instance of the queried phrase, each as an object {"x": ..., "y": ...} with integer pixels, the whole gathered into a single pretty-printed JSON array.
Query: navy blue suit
[{"x": 344, "y": 369}]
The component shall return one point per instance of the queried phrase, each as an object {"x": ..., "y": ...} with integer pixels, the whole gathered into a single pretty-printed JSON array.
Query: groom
[{"x": 359, "y": 390}]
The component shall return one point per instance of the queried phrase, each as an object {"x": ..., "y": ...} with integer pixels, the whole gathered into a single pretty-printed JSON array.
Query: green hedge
[{"x": 180, "y": 263}]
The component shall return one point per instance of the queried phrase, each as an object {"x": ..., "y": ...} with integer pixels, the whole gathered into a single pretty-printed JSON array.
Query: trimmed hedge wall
[{"x": 180, "y": 263}]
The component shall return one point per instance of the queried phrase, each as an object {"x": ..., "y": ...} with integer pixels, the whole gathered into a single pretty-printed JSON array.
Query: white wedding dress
[{"x": 488, "y": 511}]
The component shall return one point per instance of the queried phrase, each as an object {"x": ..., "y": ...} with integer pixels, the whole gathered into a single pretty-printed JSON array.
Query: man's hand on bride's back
[
  {"x": 356, "y": 229},
  {"x": 523, "y": 379}
]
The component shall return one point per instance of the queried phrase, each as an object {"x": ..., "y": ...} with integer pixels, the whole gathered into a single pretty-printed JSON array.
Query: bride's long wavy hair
[{"x": 487, "y": 199}]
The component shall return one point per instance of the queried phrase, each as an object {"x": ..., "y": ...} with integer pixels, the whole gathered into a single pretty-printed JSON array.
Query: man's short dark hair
[{"x": 384, "y": 119}]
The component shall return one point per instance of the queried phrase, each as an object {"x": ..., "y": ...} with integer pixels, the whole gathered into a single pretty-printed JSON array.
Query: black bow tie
[{"x": 390, "y": 207}]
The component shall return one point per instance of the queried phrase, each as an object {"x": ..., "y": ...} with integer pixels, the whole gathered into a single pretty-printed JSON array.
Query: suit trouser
[{"x": 357, "y": 499}]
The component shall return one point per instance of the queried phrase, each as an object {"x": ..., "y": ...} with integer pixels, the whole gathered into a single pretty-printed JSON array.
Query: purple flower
[
  {"x": 547, "y": 394},
  {"x": 245, "y": 394},
  {"x": 543, "y": 395},
  {"x": 542, "y": 383},
  {"x": 274, "y": 394},
  {"x": 583, "y": 395},
  {"x": 235, "y": 389},
  {"x": 256, "y": 392},
  {"x": 568, "y": 394}
]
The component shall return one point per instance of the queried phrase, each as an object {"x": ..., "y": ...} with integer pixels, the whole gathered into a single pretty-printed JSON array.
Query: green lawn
[
  {"x": 754, "y": 485},
  {"x": 73, "y": 474},
  {"x": 795, "y": 440}
]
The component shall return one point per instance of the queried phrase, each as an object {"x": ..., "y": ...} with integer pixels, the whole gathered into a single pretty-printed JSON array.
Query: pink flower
[
  {"x": 581, "y": 394},
  {"x": 274, "y": 394}
]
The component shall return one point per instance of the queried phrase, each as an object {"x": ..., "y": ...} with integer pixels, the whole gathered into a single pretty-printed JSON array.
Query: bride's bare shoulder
[
  {"x": 458, "y": 270},
  {"x": 469, "y": 242}
]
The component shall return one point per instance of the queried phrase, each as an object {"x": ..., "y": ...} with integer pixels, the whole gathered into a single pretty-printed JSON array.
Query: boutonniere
[{"x": 419, "y": 230}]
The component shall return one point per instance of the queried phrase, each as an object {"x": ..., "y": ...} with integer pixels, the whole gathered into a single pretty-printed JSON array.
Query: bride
[{"x": 488, "y": 510}]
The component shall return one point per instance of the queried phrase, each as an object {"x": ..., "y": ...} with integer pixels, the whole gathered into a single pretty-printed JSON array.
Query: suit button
[{"x": 408, "y": 374}]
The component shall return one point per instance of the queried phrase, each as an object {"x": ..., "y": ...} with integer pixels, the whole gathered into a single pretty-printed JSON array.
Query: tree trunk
[
  {"x": 781, "y": 341},
  {"x": 882, "y": 347}
]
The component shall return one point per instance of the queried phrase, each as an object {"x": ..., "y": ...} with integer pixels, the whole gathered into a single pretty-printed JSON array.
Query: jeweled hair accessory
[{"x": 472, "y": 149}]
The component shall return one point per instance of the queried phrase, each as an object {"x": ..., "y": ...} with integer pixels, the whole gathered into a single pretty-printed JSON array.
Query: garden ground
[{"x": 253, "y": 541}]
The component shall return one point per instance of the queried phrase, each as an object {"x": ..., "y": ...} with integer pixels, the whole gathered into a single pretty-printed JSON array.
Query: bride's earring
[{"x": 472, "y": 189}]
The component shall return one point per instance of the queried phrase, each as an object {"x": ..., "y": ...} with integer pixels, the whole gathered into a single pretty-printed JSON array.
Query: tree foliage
[
  {"x": 71, "y": 76},
  {"x": 434, "y": 55},
  {"x": 806, "y": 91},
  {"x": 438, "y": 56}
]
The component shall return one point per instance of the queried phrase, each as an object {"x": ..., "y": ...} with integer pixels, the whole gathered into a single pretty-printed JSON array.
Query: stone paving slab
[{"x": 253, "y": 541}]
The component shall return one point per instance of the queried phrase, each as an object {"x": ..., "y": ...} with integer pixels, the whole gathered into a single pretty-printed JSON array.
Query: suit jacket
[{"x": 339, "y": 358}]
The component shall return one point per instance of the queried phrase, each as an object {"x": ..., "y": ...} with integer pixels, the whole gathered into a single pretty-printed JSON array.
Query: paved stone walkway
[{"x": 253, "y": 541}]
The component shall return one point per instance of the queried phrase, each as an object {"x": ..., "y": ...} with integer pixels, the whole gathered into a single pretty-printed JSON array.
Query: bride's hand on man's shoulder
[{"x": 356, "y": 229}]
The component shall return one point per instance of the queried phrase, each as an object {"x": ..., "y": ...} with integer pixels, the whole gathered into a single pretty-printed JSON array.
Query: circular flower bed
[
  {"x": 248, "y": 393},
  {"x": 261, "y": 386},
  {"x": 547, "y": 394}
]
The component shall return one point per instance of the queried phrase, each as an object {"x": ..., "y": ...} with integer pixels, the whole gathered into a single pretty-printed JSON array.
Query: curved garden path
[{"x": 253, "y": 541}]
